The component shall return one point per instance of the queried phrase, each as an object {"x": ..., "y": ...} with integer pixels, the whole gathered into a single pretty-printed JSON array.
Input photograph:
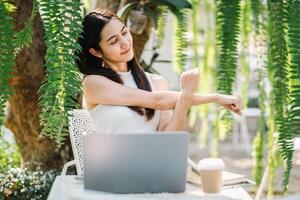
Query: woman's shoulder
[{"x": 93, "y": 80}]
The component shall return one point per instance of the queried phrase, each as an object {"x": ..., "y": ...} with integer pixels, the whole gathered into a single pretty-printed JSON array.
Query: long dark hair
[{"x": 88, "y": 64}]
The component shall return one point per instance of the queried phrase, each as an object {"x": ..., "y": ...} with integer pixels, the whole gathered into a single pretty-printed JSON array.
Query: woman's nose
[{"x": 124, "y": 43}]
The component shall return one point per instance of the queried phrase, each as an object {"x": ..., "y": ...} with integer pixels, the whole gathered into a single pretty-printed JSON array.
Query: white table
[{"x": 67, "y": 188}]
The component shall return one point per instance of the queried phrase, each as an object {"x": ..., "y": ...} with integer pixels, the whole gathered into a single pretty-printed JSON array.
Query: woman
[{"x": 120, "y": 96}]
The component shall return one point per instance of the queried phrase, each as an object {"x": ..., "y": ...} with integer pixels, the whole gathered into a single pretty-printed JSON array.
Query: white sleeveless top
[{"x": 121, "y": 119}]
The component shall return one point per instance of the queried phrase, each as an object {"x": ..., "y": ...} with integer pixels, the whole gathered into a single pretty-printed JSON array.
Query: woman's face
[{"x": 116, "y": 42}]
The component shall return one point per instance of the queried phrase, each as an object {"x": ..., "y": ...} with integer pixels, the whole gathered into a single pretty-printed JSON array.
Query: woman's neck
[{"x": 118, "y": 67}]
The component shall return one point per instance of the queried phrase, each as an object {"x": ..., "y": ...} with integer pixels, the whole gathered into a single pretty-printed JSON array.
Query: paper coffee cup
[{"x": 211, "y": 170}]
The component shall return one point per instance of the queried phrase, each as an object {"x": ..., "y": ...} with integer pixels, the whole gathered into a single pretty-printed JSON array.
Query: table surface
[{"x": 67, "y": 187}]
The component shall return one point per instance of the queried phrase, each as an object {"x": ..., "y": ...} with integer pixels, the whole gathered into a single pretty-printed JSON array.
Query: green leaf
[
  {"x": 62, "y": 24},
  {"x": 278, "y": 68},
  {"x": 7, "y": 56},
  {"x": 180, "y": 41},
  {"x": 177, "y": 4},
  {"x": 228, "y": 29}
]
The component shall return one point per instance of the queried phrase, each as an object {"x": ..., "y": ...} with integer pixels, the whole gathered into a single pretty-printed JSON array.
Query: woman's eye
[
  {"x": 124, "y": 33},
  {"x": 114, "y": 42}
]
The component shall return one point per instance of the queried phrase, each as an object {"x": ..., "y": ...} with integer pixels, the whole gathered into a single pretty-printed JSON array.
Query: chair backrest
[{"x": 80, "y": 123}]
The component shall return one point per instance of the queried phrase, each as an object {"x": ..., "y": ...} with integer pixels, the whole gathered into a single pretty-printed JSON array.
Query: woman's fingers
[
  {"x": 238, "y": 102},
  {"x": 232, "y": 103},
  {"x": 189, "y": 80},
  {"x": 235, "y": 106}
]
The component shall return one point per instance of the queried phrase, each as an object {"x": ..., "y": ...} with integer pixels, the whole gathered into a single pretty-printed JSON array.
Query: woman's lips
[{"x": 126, "y": 51}]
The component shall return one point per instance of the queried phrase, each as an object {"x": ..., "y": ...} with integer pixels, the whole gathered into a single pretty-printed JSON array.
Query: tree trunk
[
  {"x": 23, "y": 112},
  {"x": 112, "y": 5},
  {"x": 139, "y": 41}
]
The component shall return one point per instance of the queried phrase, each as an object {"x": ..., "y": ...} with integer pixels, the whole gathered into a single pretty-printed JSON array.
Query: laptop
[{"x": 136, "y": 163}]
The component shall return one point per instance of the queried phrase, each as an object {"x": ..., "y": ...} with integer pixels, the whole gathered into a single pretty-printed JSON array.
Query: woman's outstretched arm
[{"x": 100, "y": 90}]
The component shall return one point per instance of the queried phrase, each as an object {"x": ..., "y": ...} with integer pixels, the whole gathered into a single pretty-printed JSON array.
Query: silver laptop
[{"x": 136, "y": 163}]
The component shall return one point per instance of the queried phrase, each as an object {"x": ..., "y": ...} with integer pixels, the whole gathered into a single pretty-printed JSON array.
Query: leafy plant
[
  {"x": 24, "y": 36},
  {"x": 9, "y": 155},
  {"x": 19, "y": 184},
  {"x": 294, "y": 70},
  {"x": 194, "y": 43},
  {"x": 7, "y": 55},
  {"x": 228, "y": 16},
  {"x": 161, "y": 24},
  {"x": 180, "y": 41},
  {"x": 62, "y": 24},
  {"x": 11, "y": 44},
  {"x": 256, "y": 9},
  {"x": 286, "y": 140},
  {"x": 278, "y": 70},
  {"x": 244, "y": 54},
  {"x": 259, "y": 141},
  {"x": 206, "y": 63},
  {"x": 195, "y": 15}
]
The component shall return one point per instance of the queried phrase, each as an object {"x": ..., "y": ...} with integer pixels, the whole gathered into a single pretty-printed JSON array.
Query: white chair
[{"x": 80, "y": 123}]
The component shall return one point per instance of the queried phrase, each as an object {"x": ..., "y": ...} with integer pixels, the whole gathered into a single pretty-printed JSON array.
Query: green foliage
[
  {"x": 293, "y": 33},
  {"x": 244, "y": 57},
  {"x": 256, "y": 11},
  {"x": 272, "y": 145},
  {"x": 180, "y": 41},
  {"x": 228, "y": 16},
  {"x": 161, "y": 24},
  {"x": 20, "y": 184},
  {"x": 24, "y": 36},
  {"x": 258, "y": 154},
  {"x": 225, "y": 119},
  {"x": 62, "y": 24},
  {"x": 7, "y": 56},
  {"x": 292, "y": 121},
  {"x": 278, "y": 70},
  {"x": 205, "y": 62},
  {"x": 194, "y": 28},
  {"x": 9, "y": 155},
  {"x": 195, "y": 41},
  {"x": 272, "y": 165},
  {"x": 260, "y": 140},
  {"x": 11, "y": 44},
  {"x": 175, "y": 4},
  {"x": 278, "y": 52},
  {"x": 208, "y": 68},
  {"x": 261, "y": 136},
  {"x": 215, "y": 139}
]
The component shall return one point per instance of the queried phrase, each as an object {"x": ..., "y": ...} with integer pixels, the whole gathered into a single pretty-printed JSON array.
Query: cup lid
[{"x": 211, "y": 164}]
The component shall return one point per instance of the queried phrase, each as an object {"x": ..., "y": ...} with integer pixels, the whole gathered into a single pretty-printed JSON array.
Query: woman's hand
[
  {"x": 189, "y": 81},
  {"x": 231, "y": 102}
]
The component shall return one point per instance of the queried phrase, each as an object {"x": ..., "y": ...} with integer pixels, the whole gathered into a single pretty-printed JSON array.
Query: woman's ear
[{"x": 98, "y": 54}]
